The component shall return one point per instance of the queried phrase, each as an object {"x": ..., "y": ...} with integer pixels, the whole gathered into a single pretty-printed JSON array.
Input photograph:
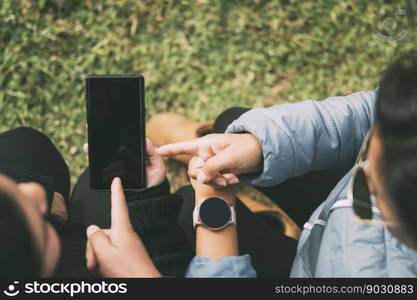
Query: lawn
[{"x": 198, "y": 57}]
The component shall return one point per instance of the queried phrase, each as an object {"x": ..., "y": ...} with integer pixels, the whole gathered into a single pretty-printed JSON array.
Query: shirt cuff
[
  {"x": 156, "y": 191},
  {"x": 225, "y": 267}
]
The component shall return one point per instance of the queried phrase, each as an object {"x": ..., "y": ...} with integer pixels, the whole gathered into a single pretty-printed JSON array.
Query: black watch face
[{"x": 215, "y": 213}]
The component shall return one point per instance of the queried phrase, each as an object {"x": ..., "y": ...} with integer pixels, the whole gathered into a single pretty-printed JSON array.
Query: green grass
[{"x": 198, "y": 57}]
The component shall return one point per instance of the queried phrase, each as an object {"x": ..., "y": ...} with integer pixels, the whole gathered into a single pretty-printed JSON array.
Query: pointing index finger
[
  {"x": 120, "y": 221},
  {"x": 186, "y": 147}
]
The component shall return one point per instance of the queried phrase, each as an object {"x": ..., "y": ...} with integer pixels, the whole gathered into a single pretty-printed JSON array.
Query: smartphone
[{"x": 116, "y": 130}]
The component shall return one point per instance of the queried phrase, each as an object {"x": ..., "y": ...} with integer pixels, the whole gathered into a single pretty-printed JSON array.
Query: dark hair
[
  {"x": 19, "y": 254},
  {"x": 396, "y": 117}
]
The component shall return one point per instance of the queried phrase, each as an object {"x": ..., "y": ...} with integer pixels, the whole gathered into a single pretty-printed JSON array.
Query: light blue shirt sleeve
[
  {"x": 310, "y": 135},
  {"x": 225, "y": 267}
]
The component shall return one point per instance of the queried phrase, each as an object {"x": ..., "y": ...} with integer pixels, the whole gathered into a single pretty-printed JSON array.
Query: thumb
[
  {"x": 155, "y": 168},
  {"x": 99, "y": 241},
  {"x": 153, "y": 157},
  {"x": 150, "y": 149}
]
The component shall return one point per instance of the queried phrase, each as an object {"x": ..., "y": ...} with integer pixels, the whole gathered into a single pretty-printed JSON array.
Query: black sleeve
[{"x": 154, "y": 216}]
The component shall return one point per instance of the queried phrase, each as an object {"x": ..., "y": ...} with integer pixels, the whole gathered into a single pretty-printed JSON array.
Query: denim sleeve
[
  {"x": 310, "y": 135},
  {"x": 225, "y": 267}
]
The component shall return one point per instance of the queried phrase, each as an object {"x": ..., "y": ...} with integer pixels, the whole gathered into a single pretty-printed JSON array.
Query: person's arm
[
  {"x": 118, "y": 251},
  {"x": 276, "y": 143},
  {"x": 154, "y": 217},
  {"x": 215, "y": 244},
  {"x": 310, "y": 135},
  {"x": 217, "y": 252}
]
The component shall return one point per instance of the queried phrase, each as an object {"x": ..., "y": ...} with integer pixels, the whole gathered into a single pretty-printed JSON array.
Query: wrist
[
  {"x": 226, "y": 194},
  {"x": 217, "y": 244}
]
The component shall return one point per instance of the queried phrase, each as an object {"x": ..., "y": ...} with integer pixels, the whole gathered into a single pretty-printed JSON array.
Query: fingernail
[
  {"x": 234, "y": 180},
  {"x": 149, "y": 141},
  {"x": 222, "y": 182},
  {"x": 201, "y": 177},
  {"x": 91, "y": 229},
  {"x": 116, "y": 180}
]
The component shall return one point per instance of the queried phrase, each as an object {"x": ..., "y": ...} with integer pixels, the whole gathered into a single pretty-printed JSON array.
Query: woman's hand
[
  {"x": 204, "y": 191},
  {"x": 118, "y": 251},
  {"x": 155, "y": 167},
  {"x": 224, "y": 156}
]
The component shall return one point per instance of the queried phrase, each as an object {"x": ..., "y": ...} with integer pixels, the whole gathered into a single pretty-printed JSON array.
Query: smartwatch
[{"x": 214, "y": 214}]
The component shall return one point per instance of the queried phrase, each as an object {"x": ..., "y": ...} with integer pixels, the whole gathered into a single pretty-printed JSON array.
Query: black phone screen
[{"x": 116, "y": 137}]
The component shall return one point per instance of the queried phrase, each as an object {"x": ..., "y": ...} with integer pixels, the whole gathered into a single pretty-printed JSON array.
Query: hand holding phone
[{"x": 155, "y": 166}]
